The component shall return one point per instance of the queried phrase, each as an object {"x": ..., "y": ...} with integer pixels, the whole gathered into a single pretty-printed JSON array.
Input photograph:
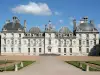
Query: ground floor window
[
  {"x": 20, "y": 50},
  {"x": 80, "y": 50},
  {"x": 71, "y": 51},
  {"x": 49, "y": 50},
  {"x": 87, "y": 51},
  {"x": 39, "y": 50},
  {"x": 64, "y": 50},
  {"x": 4, "y": 49},
  {"x": 12, "y": 50},
  {"x": 34, "y": 50},
  {"x": 59, "y": 50}
]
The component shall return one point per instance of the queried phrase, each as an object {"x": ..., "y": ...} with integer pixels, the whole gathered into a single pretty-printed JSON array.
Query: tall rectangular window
[
  {"x": 49, "y": 41},
  {"x": 70, "y": 50},
  {"x": 87, "y": 42},
  {"x": 34, "y": 50},
  {"x": 19, "y": 35},
  {"x": 4, "y": 41},
  {"x": 94, "y": 42},
  {"x": 80, "y": 49},
  {"x": 64, "y": 50},
  {"x": 39, "y": 50},
  {"x": 87, "y": 35},
  {"x": 59, "y": 50},
  {"x": 4, "y": 49},
  {"x": 87, "y": 51},
  {"x": 20, "y": 50},
  {"x": 79, "y": 42},
  {"x": 11, "y": 49},
  {"x": 49, "y": 50}
]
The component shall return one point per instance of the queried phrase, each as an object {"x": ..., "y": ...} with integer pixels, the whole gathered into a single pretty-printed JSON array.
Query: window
[
  {"x": 80, "y": 49},
  {"x": 59, "y": 50},
  {"x": 94, "y": 42},
  {"x": 4, "y": 41},
  {"x": 49, "y": 50},
  {"x": 87, "y": 42},
  {"x": 67, "y": 42},
  {"x": 70, "y": 50},
  {"x": 64, "y": 50},
  {"x": 12, "y": 42},
  {"x": 50, "y": 35},
  {"x": 50, "y": 41},
  {"x": 87, "y": 50},
  {"x": 83, "y": 42},
  {"x": 15, "y": 41},
  {"x": 34, "y": 49},
  {"x": 87, "y": 35},
  {"x": 8, "y": 41},
  {"x": 79, "y": 42},
  {"x": 5, "y": 34},
  {"x": 20, "y": 50},
  {"x": 19, "y": 35},
  {"x": 91, "y": 42},
  {"x": 64, "y": 42},
  {"x": 94, "y": 35},
  {"x": 74, "y": 42},
  {"x": 24, "y": 41},
  {"x": 11, "y": 49},
  {"x": 19, "y": 41},
  {"x": 39, "y": 50},
  {"x": 4, "y": 49}
]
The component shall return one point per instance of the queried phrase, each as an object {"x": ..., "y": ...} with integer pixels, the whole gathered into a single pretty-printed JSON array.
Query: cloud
[
  {"x": 61, "y": 21},
  {"x": 57, "y": 13},
  {"x": 33, "y": 8}
]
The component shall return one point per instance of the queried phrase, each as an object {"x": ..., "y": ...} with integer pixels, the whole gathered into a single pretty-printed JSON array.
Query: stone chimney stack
[
  {"x": 25, "y": 25},
  {"x": 7, "y": 21},
  {"x": 74, "y": 27},
  {"x": 85, "y": 19},
  {"x": 91, "y": 22},
  {"x": 74, "y": 23}
]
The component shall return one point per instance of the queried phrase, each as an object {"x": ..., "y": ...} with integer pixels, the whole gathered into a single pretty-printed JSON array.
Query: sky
[{"x": 59, "y": 12}]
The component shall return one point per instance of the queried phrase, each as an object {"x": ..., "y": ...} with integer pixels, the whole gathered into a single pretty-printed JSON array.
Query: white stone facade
[{"x": 48, "y": 42}]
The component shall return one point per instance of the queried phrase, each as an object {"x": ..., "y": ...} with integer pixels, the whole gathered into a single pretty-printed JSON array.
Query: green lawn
[
  {"x": 11, "y": 68},
  {"x": 83, "y": 67}
]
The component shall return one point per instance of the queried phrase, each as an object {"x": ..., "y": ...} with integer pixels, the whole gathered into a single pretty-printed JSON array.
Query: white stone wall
[{"x": 24, "y": 46}]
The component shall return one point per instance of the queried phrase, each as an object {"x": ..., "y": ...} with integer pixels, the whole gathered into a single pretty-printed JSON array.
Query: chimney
[
  {"x": 91, "y": 22},
  {"x": 85, "y": 19},
  {"x": 7, "y": 21},
  {"x": 74, "y": 23},
  {"x": 45, "y": 27},
  {"x": 25, "y": 25},
  {"x": 74, "y": 27}
]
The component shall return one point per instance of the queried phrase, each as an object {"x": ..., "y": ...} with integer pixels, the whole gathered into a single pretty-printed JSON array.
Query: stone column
[
  {"x": 87, "y": 67},
  {"x": 16, "y": 67},
  {"x": 21, "y": 64}
]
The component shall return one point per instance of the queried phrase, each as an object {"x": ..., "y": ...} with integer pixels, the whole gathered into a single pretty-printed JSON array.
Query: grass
[
  {"x": 94, "y": 62},
  {"x": 83, "y": 67},
  {"x": 12, "y": 67}
]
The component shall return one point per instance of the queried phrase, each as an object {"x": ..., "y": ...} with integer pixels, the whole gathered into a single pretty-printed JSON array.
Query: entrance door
[{"x": 49, "y": 50}]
